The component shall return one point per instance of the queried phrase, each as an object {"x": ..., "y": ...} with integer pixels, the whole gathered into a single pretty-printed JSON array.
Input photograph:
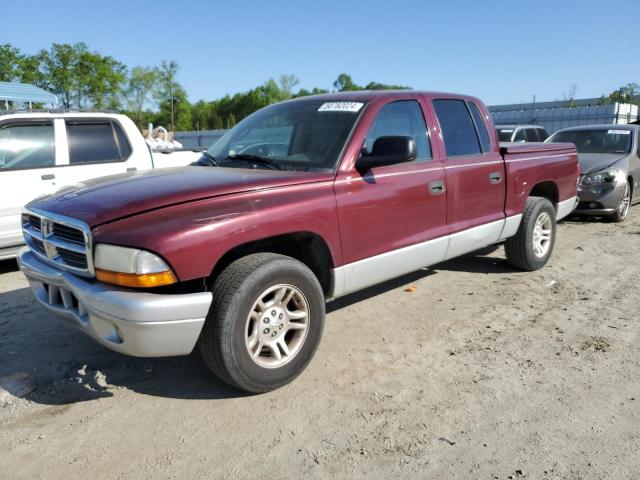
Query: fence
[
  {"x": 200, "y": 139},
  {"x": 554, "y": 119}
]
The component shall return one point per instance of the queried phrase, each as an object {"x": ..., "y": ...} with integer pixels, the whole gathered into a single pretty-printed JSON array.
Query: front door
[
  {"x": 388, "y": 213},
  {"x": 27, "y": 170}
]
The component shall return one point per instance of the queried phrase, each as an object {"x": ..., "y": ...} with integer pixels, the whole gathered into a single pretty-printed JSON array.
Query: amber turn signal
[{"x": 134, "y": 280}]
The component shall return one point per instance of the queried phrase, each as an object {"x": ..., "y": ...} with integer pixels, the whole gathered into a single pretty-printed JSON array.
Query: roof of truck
[
  {"x": 55, "y": 113},
  {"x": 514, "y": 126},
  {"x": 370, "y": 95},
  {"x": 611, "y": 126}
]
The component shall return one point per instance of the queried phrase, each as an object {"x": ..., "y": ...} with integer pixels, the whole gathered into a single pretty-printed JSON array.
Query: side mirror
[{"x": 388, "y": 151}]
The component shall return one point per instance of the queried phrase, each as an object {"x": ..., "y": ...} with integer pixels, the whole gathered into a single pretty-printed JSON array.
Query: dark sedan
[{"x": 609, "y": 157}]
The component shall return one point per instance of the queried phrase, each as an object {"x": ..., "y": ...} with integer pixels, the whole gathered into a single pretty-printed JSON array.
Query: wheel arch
[
  {"x": 546, "y": 189},
  {"x": 306, "y": 247}
]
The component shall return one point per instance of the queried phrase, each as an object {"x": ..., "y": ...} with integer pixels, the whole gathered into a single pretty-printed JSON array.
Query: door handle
[
  {"x": 437, "y": 187},
  {"x": 48, "y": 176},
  {"x": 495, "y": 177},
  {"x": 132, "y": 169}
]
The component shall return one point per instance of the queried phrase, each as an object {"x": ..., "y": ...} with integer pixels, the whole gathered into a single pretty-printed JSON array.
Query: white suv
[{"x": 42, "y": 152}]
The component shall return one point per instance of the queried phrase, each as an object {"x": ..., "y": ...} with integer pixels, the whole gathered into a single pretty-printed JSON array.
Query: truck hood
[
  {"x": 594, "y": 162},
  {"x": 114, "y": 197}
]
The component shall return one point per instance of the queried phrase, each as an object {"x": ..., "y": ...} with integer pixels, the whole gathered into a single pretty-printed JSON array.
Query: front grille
[
  {"x": 63, "y": 241},
  {"x": 34, "y": 222},
  {"x": 69, "y": 234},
  {"x": 77, "y": 260},
  {"x": 38, "y": 246}
]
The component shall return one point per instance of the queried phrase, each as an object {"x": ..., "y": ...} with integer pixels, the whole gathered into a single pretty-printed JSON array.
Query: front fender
[{"x": 192, "y": 237}]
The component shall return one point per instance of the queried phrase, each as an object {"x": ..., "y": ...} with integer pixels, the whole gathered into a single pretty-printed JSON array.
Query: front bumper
[
  {"x": 598, "y": 199},
  {"x": 135, "y": 323}
]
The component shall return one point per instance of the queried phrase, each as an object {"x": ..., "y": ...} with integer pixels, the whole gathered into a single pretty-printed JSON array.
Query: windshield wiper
[{"x": 267, "y": 162}]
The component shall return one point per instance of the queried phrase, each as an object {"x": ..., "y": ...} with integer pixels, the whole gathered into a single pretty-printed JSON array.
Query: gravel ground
[{"x": 481, "y": 372}]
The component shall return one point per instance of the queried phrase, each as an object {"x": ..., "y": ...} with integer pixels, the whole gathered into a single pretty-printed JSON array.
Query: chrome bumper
[{"x": 134, "y": 323}]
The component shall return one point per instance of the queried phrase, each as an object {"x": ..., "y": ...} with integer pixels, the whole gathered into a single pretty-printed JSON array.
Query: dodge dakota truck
[{"x": 301, "y": 202}]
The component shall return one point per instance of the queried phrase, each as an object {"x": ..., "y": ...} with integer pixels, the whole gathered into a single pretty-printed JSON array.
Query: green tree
[
  {"x": 141, "y": 83},
  {"x": 344, "y": 83},
  {"x": 10, "y": 63},
  {"x": 59, "y": 67},
  {"x": 382, "y": 86},
  {"x": 629, "y": 93},
  {"x": 287, "y": 84},
  {"x": 99, "y": 80}
]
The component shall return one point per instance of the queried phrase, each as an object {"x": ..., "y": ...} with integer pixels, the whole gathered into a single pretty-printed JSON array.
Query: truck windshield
[
  {"x": 611, "y": 140},
  {"x": 306, "y": 135},
  {"x": 504, "y": 134}
]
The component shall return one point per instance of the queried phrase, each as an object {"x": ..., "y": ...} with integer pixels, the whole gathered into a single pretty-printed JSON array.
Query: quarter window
[
  {"x": 402, "y": 118},
  {"x": 542, "y": 133},
  {"x": 520, "y": 136},
  {"x": 27, "y": 146},
  {"x": 532, "y": 135},
  {"x": 96, "y": 142},
  {"x": 481, "y": 127},
  {"x": 458, "y": 131}
]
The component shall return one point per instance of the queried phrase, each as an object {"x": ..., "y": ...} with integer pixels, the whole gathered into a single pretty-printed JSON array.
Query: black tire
[
  {"x": 222, "y": 343},
  {"x": 621, "y": 213},
  {"x": 520, "y": 248}
]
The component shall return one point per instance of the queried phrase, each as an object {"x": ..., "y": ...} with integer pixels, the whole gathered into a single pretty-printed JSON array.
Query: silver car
[{"x": 609, "y": 157}]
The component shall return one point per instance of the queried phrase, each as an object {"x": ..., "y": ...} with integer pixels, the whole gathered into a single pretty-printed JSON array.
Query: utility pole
[
  {"x": 171, "y": 68},
  {"x": 533, "y": 107}
]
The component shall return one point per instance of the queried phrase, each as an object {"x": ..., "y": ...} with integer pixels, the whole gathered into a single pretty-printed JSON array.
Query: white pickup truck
[{"x": 41, "y": 152}]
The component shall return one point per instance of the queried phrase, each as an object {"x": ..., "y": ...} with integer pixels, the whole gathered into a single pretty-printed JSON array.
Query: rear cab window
[
  {"x": 504, "y": 134},
  {"x": 27, "y": 146},
  {"x": 458, "y": 128},
  {"x": 401, "y": 118},
  {"x": 96, "y": 141}
]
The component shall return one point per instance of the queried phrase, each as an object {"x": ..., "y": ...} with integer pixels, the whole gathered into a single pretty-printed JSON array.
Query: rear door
[
  {"x": 95, "y": 148},
  {"x": 474, "y": 176},
  {"x": 27, "y": 170}
]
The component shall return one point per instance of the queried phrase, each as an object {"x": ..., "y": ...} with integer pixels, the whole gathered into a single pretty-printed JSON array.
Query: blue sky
[{"x": 500, "y": 51}]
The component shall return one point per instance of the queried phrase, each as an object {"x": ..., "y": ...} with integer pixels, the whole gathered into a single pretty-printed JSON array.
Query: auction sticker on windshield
[
  {"x": 340, "y": 107},
  {"x": 618, "y": 132}
]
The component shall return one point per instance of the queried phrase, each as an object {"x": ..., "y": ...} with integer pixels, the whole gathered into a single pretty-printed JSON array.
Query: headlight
[
  {"x": 130, "y": 267},
  {"x": 608, "y": 175}
]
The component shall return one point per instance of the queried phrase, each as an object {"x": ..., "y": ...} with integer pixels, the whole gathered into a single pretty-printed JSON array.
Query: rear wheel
[
  {"x": 532, "y": 245},
  {"x": 622, "y": 210},
  {"x": 265, "y": 322}
]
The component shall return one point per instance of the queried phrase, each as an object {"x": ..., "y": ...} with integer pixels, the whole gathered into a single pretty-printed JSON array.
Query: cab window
[
  {"x": 520, "y": 136},
  {"x": 27, "y": 146},
  {"x": 458, "y": 130},
  {"x": 401, "y": 118},
  {"x": 96, "y": 142}
]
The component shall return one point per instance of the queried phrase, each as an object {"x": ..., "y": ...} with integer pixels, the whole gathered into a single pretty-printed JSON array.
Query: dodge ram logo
[{"x": 46, "y": 227}]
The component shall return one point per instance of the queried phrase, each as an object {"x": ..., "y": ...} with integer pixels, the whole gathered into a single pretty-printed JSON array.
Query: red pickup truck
[{"x": 301, "y": 202}]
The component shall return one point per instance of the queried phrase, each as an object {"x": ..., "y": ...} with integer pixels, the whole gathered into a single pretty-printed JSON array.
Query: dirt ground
[{"x": 482, "y": 372}]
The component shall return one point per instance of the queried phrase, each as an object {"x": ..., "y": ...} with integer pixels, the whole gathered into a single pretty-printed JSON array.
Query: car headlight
[
  {"x": 131, "y": 267},
  {"x": 608, "y": 175}
]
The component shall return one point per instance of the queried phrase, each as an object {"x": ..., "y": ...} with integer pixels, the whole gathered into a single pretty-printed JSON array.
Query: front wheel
[
  {"x": 622, "y": 210},
  {"x": 265, "y": 322},
  {"x": 532, "y": 245}
]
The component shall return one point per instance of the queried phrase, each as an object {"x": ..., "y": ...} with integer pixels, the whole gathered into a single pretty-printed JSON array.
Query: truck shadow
[
  {"x": 7, "y": 266},
  {"x": 64, "y": 366}
]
